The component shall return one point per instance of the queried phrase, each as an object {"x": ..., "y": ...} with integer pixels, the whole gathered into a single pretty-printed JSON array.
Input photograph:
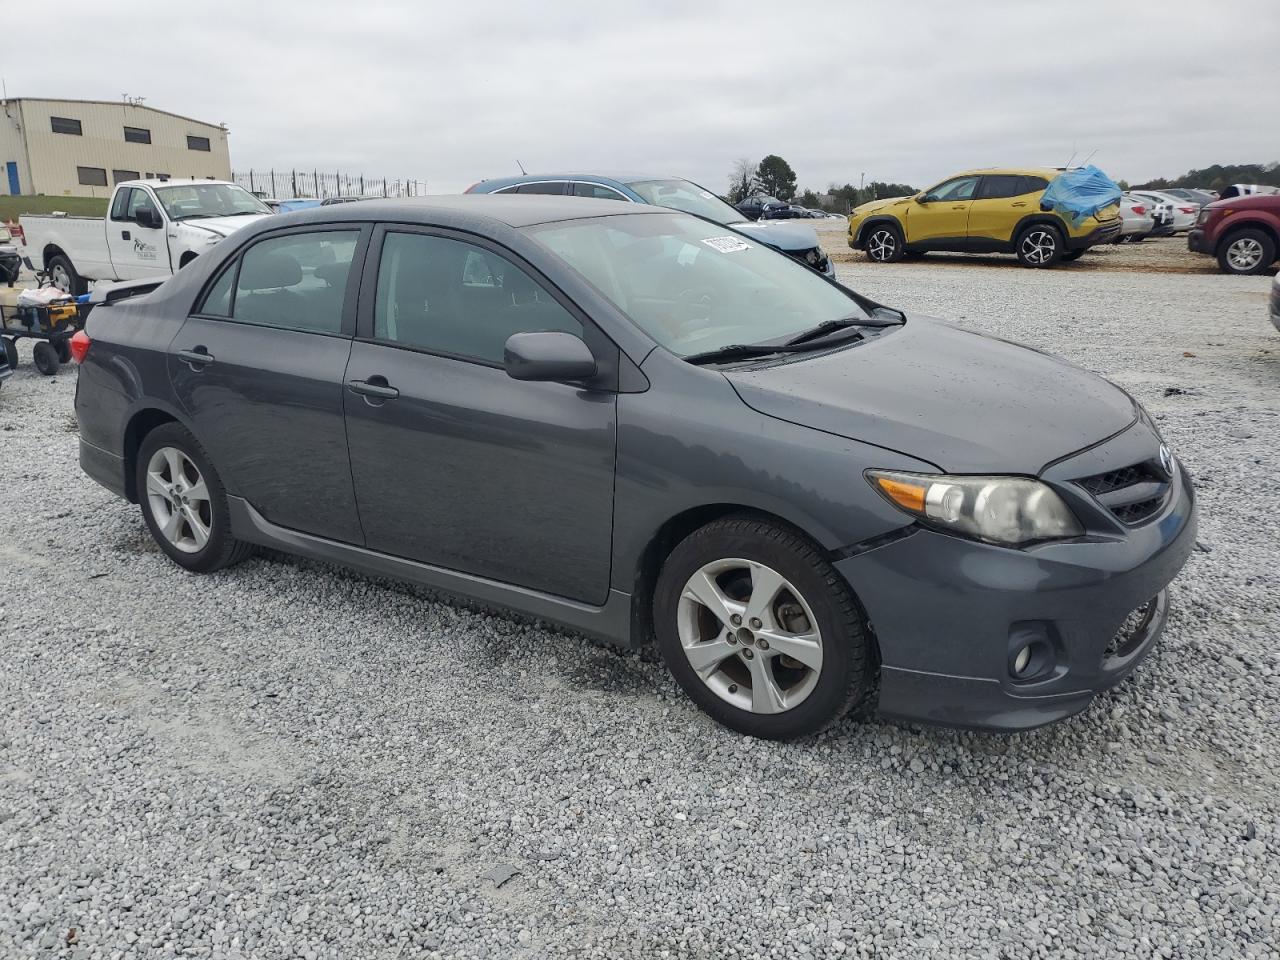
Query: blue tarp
[{"x": 1079, "y": 194}]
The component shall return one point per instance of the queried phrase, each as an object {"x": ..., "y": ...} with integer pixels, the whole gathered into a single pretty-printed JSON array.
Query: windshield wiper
[
  {"x": 742, "y": 351},
  {"x": 827, "y": 327}
]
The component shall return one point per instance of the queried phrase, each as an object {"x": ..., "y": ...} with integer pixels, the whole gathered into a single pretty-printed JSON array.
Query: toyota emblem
[{"x": 1166, "y": 460}]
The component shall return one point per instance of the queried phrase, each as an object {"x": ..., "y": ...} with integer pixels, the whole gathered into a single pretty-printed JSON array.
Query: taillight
[
  {"x": 1139, "y": 210},
  {"x": 1187, "y": 209},
  {"x": 80, "y": 344}
]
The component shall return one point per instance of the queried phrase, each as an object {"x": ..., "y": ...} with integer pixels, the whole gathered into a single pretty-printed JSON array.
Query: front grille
[
  {"x": 1131, "y": 632},
  {"x": 1132, "y": 494}
]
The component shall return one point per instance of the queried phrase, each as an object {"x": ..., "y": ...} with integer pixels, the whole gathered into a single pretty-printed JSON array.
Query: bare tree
[{"x": 742, "y": 180}]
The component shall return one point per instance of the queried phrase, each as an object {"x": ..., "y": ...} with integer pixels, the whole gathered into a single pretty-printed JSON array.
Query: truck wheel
[
  {"x": 1246, "y": 252},
  {"x": 11, "y": 352},
  {"x": 46, "y": 358},
  {"x": 64, "y": 276}
]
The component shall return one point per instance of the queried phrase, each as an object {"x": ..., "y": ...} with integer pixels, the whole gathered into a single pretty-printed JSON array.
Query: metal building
[{"x": 82, "y": 148}]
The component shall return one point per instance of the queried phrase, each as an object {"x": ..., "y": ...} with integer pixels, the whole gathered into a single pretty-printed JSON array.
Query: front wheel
[
  {"x": 1246, "y": 252},
  {"x": 184, "y": 503},
  {"x": 1039, "y": 245},
  {"x": 884, "y": 244},
  {"x": 63, "y": 276},
  {"x": 760, "y": 630}
]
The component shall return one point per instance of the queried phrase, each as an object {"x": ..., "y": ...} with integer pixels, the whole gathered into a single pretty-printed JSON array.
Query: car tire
[
  {"x": 11, "y": 352},
  {"x": 804, "y": 663},
  {"x": 1039, "y": 245},
  {"x": 1073, "y": 255},
  {"x": 63, "y": 276},
  {"x": 884, "y": 243},
  {"x": 1246, "y": 252},
  {"x": 185, "y": 504},
  {"x": 45, "y": 357},
  {"x": 63, "y": 349}
]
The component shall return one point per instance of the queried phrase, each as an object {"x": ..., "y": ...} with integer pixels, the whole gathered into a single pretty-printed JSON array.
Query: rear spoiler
[{"x": 104, "y": 295}]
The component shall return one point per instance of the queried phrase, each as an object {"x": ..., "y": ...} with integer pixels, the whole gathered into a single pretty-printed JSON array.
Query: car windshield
[
  {"x": 694, "y": 287},
  {"x": 188, "y": 201},
  {"x": 689, "y": 197}
]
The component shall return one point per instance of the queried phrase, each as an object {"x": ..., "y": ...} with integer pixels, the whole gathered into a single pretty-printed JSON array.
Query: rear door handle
[
  {"x": 375, "y": 387},
  {"x": 197, "y": 358},
  {"x": 1020, "y": 203}
]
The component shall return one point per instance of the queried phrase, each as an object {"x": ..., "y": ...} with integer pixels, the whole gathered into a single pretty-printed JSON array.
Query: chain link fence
[{"x": 315, "y": 184}]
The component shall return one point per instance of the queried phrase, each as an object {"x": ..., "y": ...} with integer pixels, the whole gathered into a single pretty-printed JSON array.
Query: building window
[
  {"x": 119, "y": 176},
  {"x": 92, "y": 176},
  {"x": 66, "y": 125},
  {"x": 198, "y": 143},
  {"x": 137, "y": 135}
]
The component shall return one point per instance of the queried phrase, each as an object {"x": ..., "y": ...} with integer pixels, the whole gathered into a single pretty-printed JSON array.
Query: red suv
[{"x": 1243, "y": 232}]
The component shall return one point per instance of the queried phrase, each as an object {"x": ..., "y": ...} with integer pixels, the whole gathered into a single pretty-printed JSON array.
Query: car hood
[
  {"x": 875, "y": 205},
  {"x": 964, "y": 401},
  {"x": 223, "y": 226},
  {"x": 780, "y": 235}
]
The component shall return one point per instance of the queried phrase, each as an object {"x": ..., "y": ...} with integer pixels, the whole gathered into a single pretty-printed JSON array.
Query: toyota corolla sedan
[{"x": 643, "y": 426}]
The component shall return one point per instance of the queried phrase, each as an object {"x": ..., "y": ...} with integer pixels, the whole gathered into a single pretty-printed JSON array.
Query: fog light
[{"x": 1021, "y": 661}]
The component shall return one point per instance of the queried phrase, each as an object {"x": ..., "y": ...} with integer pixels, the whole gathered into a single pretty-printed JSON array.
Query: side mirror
[
  {"x": 548, "y": 355},
  {"x": 924, "y": 198},
  {"x": 149, "y": 218}
]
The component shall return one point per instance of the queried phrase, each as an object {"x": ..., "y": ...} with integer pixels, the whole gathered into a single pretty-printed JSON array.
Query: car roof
[
  {"x": 1047, "y": 172},
  {"x": 176, "y": 182},
  {"x": 615, "y": 176},
  {"x": 476, "y": 209}
]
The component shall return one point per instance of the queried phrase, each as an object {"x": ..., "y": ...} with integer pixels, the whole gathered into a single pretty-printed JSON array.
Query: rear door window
[
  {"x": 555, "y": 187},
  {"x": 1000, "y": 186},
  {"x": 295, "y": 282},
  {"x": 597, "y": 191}
]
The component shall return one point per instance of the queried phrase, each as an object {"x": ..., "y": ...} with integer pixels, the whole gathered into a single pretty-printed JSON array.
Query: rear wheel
[
  {"x": 184, "y": 503},
  {"x": 1039, "y": 245},
  {"x": 760, "y": 630},
  {"x": 63, "y": 276},
  {"x": 884, "y": 243},
  {"x": 1246, "y": 252},
  {"x": 45, "y": 357}
]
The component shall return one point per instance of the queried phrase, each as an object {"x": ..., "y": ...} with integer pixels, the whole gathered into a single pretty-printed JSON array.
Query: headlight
[
  {"x": 1204, "y": 215},
  {"x": 1004, "y": 510}
]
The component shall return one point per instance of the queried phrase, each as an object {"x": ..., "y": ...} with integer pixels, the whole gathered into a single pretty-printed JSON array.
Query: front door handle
[
  {"x": 124, "y": 235},
  {"x": 1020, "y": 203},
  {"x": 196, "y": 359},
  {"x": 376, "y": 388}
]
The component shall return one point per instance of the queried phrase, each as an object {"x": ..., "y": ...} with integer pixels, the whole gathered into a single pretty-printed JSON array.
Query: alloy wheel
[
  {"x": 1244, "y": 254},
  {"x": 179, "y": 499},
  {"x": 1039, "y": 246},
  {"x": 882, "y": 245},
  {"x": 749, "y": 635},
  {"x": 60, "y": 278}
]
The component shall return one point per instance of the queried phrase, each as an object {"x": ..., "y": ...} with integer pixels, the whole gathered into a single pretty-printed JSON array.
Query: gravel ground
[{"x": 287, "y": 760}]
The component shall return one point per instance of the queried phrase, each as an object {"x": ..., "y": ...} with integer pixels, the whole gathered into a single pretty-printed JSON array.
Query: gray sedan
[{"x": 636, "y": 423}]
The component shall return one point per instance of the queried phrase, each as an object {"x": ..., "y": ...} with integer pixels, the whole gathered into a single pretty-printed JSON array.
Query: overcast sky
[{"x": 903, "y": 91}]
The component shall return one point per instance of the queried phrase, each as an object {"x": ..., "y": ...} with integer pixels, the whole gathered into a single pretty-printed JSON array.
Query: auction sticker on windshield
[{"x": 727, "y": 244}]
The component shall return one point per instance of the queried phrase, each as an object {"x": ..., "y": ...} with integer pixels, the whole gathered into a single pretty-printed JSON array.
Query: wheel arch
[
  {"x": 52, "y": 250},
  {"x": 875, "y": 221},
  {"x": 1039, "y": 219},
  {"x": 187, "y": 257},
  {"x": 141, "y": 422},
  {"x": 649, "y": 560},
  {"x": 1234, "y": 226}
]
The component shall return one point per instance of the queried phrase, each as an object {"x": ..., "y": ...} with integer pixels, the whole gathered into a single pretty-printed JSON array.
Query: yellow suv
[{"x": 981, "y": 211}]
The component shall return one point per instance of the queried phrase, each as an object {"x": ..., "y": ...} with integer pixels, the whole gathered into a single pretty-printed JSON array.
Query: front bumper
[
  {"x": 1196, "y": 242},
  {"x": 950, "y": 614},
  {"x": 1103, "y": 233}
]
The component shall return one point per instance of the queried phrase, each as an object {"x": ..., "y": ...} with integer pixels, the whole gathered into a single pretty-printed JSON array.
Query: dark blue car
[{"x": 797, "y": 241}]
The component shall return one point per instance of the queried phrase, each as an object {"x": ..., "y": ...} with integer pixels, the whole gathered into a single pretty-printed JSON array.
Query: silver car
[
  {"x": 1136, "y": 219},
  {"x": 1184, "y": 212}
]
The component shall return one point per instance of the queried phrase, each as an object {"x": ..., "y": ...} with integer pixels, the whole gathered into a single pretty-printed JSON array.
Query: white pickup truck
[{"x": 153, "y": 228}]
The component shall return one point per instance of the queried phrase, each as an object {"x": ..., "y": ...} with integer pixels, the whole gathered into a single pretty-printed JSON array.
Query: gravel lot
[{"x": 287, "y": 760}]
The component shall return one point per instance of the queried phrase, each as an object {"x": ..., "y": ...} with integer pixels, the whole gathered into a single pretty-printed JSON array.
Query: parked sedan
[
  {"x": 1195, "y": 195},
  {"x": 1136, "y": 221},
  {"x": 795, "y": 240},
  {"x": 766, "y": 208},
  {"x": 633, "y": 421},
  {"x": 1184, "y": 211}
]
